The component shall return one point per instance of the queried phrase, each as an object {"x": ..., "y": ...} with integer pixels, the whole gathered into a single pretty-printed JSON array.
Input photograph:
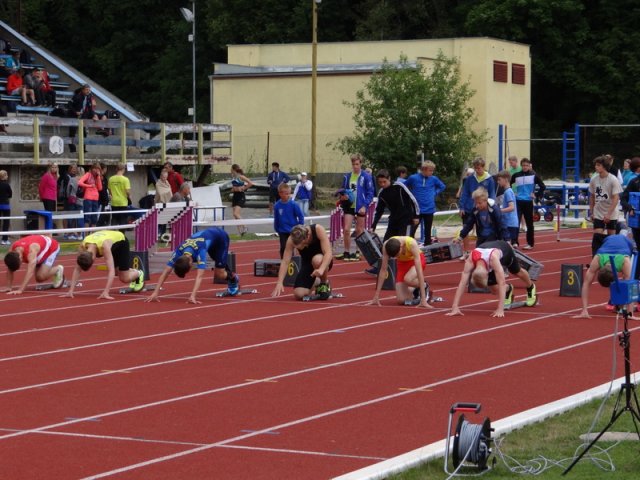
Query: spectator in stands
[
  {"x": 48, "y": 92},
  {"x": 91, "y": 182},
  {"x": 163, "y": 188},
  {"x": 120, "y": 190},
  {"x": 16, "y": 86},
  {"x": 48, "y": 188},
  {"x": 34, "y": 82},
  {"x": 5, "y": 205},
  {"x": 83, "y": 105},
  {"x": 274, "y": 179},
  {"x": 182, "y": 195},
  {"x": 303, "y": 192},
  {"x": 13, "y": 62},
  {"x": 175, "y": 179}
]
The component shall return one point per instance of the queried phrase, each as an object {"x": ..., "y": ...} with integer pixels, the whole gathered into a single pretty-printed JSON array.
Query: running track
[{"x": 263, "y": 388}]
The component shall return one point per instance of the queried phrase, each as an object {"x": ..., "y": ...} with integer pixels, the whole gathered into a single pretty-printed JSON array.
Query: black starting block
[
  {"x": 571, "y": 278},
  {"x": 271, "y": 268},
  {"x": 41, "y": 287},
  {"x": 127, "y": 290},
  {"x": 140, "y": 261},
  {"x": 441, "y": 252},
  {"x": 529, "y": 264},
  {"x": 231, "y": 263},
  {"x": 371, "y": 247}
]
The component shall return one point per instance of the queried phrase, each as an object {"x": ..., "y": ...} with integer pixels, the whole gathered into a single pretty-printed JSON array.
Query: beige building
[{"x": 265, "y": 93}]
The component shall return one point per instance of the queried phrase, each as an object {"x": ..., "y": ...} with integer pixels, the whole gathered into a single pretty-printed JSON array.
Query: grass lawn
[{"x": 551, "y": 441}]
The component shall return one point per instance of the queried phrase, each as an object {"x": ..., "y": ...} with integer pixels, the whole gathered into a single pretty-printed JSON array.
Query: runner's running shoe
[
  {"x": 323, "y": 290},
  {"x": 138, "y": 283},
  {"x": 508, "y": 297},
  {"x": 58, "y": 278},
  {"x": 532, "y": 297},
  {"x": 233, "y": 284}
]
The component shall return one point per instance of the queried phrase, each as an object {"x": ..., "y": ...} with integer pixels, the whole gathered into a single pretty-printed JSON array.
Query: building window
[
  {"x": 517, "y": 74},
  {"x": 500, "y": 71}
]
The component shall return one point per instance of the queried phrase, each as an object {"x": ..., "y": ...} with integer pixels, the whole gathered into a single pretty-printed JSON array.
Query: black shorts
[
  {"x": 611, "y": 225},
  {"x": 120, "y": 253},
  {"x": 273, "y": 196},
  {"x": 238, "y": 199},
  {"x": 304, "y": 278},
  {"x": 513, "y": 266}
]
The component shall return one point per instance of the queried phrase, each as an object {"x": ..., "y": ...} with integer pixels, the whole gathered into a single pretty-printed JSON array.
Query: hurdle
[{"x": 581, "y": 222}]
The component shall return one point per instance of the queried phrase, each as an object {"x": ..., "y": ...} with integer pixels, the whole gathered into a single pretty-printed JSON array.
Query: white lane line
[{"x": 347, "y": 408}]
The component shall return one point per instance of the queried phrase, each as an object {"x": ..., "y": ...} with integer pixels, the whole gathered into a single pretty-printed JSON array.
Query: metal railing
[{"x": 39, "y": 139}]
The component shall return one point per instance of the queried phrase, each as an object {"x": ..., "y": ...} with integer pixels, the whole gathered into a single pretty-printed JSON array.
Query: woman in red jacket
[
  {"x": 91, "y": 182},
  {"x": 48, "y": 188},
  {"x": 15, "y": 86}
]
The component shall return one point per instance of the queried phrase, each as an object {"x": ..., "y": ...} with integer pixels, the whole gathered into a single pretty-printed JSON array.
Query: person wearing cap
[{"x": 302, "y": 193}]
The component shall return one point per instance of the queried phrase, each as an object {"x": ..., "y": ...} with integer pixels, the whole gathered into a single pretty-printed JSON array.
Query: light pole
[
  {"x": 314, "y": 77},
  {"x": 190, "y": 16}
]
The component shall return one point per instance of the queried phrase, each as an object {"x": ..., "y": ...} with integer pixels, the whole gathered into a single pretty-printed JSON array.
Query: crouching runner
[
  {"x": 316, "y": 260},
  {"x": 485, "y": 268},
  {"x": 410, "y": 264},
  {"x": 213, "y": 241},
  {"x": 114, "y": 247},
  {"x": 39, "y": 252}
]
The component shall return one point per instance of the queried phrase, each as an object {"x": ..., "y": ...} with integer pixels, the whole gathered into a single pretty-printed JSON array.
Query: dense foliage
[
  {"x": 402, "y": 110},
  {"x": 584, "y": 52}
]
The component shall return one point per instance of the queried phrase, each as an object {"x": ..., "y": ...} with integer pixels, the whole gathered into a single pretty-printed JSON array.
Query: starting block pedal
[
  {"x": 127, "y": 290},
  {"x": 49, "y": 286},
  {"x": 515, "y": 305},
  {"x": 441, "y": 252},
  {"x": 245, "y": 291},
  {"x": 313, "y": 298}
]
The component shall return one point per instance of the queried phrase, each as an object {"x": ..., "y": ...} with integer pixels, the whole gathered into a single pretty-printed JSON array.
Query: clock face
[{"x": 56, "y": 145}]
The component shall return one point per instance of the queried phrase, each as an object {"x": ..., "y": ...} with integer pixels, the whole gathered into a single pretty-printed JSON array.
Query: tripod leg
[{"x": 616, "y": 415}]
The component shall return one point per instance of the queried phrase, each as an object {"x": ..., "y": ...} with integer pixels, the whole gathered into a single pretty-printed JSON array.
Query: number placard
[
  {"x": 292, "y": 271},
  {"x": 140, "y": 261},
  {"x": 571, "y": 277}
]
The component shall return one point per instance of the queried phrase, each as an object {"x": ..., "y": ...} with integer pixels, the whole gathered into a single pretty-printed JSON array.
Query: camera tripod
[{"x": 627, "y": 389}]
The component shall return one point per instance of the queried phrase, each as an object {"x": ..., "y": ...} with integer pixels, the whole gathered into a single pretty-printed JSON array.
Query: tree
[{"x": 402, "y": 110}]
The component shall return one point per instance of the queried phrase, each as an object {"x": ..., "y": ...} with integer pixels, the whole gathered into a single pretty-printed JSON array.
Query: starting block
[
  {"x": 515, "y": 305},
  {"x": 231, "y": 263},
  {"x": 371, "y": 247},
  {"x": 313, "y": 298},
  {"x": 245, "y": 291},
  {"x": 441, "y": 252},
  {"x": 271, "y": 268},
  {"x": 571, "y": 278},
  {"x": 533, "y": 267},
  {"x": 127, "y": 290}
]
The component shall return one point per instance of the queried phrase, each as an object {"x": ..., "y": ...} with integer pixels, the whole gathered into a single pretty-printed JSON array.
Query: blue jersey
[
  {"x": 212, "y": 240},
  {"x": 510, "y": 219}
]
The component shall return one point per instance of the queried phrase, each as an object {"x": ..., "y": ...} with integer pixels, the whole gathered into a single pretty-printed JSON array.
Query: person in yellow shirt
[
  {"x": 114, "y": 247},
  {"x": 119, "y": 188},
  {"x": 410, "y": 264}
]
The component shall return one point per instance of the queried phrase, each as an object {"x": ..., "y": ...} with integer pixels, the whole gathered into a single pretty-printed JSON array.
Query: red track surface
[{"x": 256, "y": 387}]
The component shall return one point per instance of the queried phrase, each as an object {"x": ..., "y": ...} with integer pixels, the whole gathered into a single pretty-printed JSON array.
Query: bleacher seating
[{"x": 63, "y": 95}]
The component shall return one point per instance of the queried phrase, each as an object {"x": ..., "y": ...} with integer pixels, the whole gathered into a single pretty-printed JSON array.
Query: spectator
[
  {"x": 486, "y": 219},
  {"x": 402, "y": 174},
  {"x": 274, "y": 179},
  {"x": 286, "y": 215},
  {"x": 34, "y": 82},
  {"x": 120, "y": 190},
  {"x": 91, "y": 182},
  {"x": 526, "y": 181},
  {"x": 508, "y": 207},
  {"x": 47, "y": 92},
  {"x": 360, "y": 183},
  {"x": 175, "y": 179},
  {"x": 425, "y": 187},
  {"x": 183, "y": 194},
  {"x": 480, "y": 178},
  {"x": 48, "y": 188},
  {"x": 611, "y": 168},
  {"x": 13, "y": 61},
  {"x": 632, "y": 187},
  {"x": 303, "y": 192},
  {"x": 104, "y": 198},
  {"x": 16, "y": 86},
  {"x": 83, "y": 104},
  {"x": 163, "y": 188},
  {"x": 627, "y": 173},
  {"x": 604, "y": 193},
  {"x": 5, "y": 205},
  {"x": 74, "y": 199},
  {"x": 239, "y": 185}
]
